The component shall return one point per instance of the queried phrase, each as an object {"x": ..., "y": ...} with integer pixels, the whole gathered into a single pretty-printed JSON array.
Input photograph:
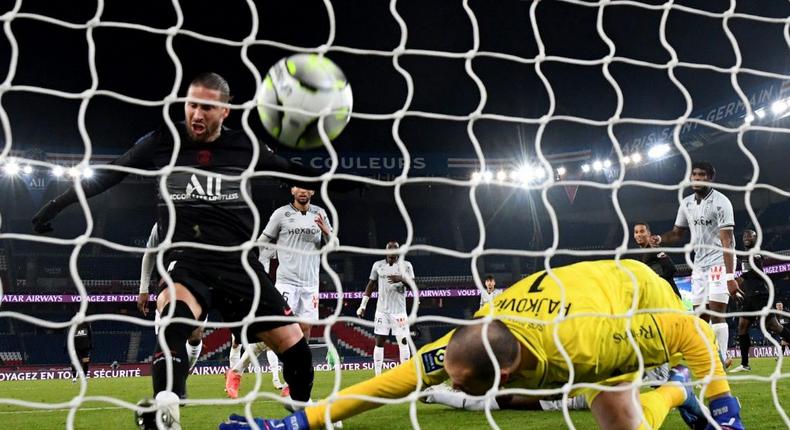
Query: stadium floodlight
[
  {"x": 73, "y": 172},
  {"x": 585, "y": 168},
  {"x": 11, "y": 168},
  {"x": 57, "y": 171},
  {"x": 87, "y": 173},
  {"x": 658, "y": 151},
  {"x": 28, "y": 169},
  {"x": 561, "y": 171},
  {"x": 748, "y": 119},
  {"x": 538, "y": 173},
  {"x": 501, "y": 176},
  {"x": 607, "y": 164},
  {"x": 597, "y": 165},
  {"x": 626, "y": 159},
  {"x": 487, "y": 176},
  {"x": 636, "y": 157},
  {"x": 760, "y": 113},
  {"x": 525, "y": 172},
  {"x": 779, "y": 106}
]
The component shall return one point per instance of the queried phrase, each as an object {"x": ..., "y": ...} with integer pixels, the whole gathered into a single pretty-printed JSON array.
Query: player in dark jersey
[
  {"x": 755, "y": 298},
  {"x": 209, "y": 210},
  {"x": 83, "y": 343},
  {"x": 660, "y": 262}
]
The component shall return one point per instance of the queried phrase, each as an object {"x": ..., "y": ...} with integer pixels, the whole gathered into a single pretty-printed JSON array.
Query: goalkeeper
[{"x": 522, "y": 339}]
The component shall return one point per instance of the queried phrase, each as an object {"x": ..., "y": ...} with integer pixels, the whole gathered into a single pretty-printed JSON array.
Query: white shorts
[
  {"x": 158, "y": 317},
  {"x": 386, "y": 322},
  {"x": 302, "y": 301},
  {"x": 708, "y": 285}
]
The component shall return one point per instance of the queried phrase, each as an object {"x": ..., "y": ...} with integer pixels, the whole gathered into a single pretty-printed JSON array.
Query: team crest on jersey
[
  {"x": 287, "y": 214},
  {"x": 433, "y": 360},
  {"x": 204, "y": 157}
]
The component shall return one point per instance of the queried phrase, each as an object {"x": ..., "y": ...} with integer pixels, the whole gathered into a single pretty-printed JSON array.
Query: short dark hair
[
  {"x": 647, "y": 226},
  {"x": 706, "y": 166},
  {"x": 473, "y": 353},
  {"x": 489, "y": 276},
  {"x": 213, "y": 81}
]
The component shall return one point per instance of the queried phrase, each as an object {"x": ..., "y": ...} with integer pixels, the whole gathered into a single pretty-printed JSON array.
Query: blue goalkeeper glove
[
  {"x": 295, "y": 421},
  {"x": 727, "y": 413}
]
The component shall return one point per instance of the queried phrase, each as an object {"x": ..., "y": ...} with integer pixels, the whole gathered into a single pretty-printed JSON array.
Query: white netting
[{"x": 541, "y": 122}]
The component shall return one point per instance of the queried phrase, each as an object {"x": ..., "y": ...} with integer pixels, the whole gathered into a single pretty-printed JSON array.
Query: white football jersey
[
  {"x": 486, "y": 298},
  {"x": 294, "y": 230},
  {"x": 392, "y": 297},
  {"x": 705, "y": 219}
]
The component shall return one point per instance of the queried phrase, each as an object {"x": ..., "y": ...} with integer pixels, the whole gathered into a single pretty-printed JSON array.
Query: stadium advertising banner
[
  {"x": 30, "y": 373},
  {"x": 683, "y": 283}
]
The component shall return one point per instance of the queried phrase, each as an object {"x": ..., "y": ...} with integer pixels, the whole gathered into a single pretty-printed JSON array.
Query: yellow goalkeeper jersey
[
  {"x": 597, "y": 296},
  {"x": 597, "y": 345}
]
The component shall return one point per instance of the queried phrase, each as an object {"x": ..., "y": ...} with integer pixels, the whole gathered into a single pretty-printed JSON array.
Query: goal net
[{"x": 490, "y": 138}]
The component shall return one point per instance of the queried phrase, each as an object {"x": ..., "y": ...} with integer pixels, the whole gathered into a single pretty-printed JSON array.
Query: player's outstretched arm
[
  {"x": 396, "y": 383},
  {"x": 671, "y": 237},
  {"x": 137, "y": 156}
]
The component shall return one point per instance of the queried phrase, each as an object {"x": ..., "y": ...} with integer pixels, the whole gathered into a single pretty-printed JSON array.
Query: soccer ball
[{"x": 311, "y": 83}]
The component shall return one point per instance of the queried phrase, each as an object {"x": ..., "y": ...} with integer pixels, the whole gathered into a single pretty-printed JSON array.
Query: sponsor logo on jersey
[
  {"x": 212, "y": 191},
  {"x": 703, "y": 221},
  {"x": 644, "y": 332},
  {"x": 303, "y": 230}
]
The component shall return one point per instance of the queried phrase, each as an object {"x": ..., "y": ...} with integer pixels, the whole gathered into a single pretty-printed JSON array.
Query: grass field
[{"x": 758, "y": 408}]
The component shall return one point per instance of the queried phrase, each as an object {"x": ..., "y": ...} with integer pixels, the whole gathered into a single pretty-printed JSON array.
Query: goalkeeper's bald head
[{"x": 468, "y": 364}]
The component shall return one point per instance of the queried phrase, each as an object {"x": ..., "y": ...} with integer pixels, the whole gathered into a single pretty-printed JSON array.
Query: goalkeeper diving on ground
[{"x": 591, "y": 323}]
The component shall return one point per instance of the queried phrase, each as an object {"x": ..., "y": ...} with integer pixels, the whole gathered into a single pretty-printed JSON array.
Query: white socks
[
  {"x": 405, "y": 352},
  {"x": 193, "y": 353},
  {"x": 378, "y": 359},
  {"x": 722, "y": 333},
  {"x": 235, "y": 356},
  {"x": 255, "y": 349},
  {"x": 274, "y": 365}
]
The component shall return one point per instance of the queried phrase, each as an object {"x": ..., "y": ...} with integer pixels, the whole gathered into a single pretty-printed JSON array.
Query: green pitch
[{"x": 759, "y": 411}]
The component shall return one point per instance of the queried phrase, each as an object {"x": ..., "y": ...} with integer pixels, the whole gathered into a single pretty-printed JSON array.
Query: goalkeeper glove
[
  {"x": 295, "y": 421},
  {"x": 726, "y": 411}
]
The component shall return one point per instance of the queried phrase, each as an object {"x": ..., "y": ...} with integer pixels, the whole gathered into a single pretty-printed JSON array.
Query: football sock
[
  {"x": 378, "y": 359},
  {"x": 745, "y": 342},
  {"x": 193, "y": 352},
  {"x": 235, "y": 356},
  {"x": 274, "y": 365},
  {"x": 722, "y": 331},
  {"x": 656, "y": 404},
  {"x": 176, "y": 335},
  {"x": 298, "y": 370}
]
